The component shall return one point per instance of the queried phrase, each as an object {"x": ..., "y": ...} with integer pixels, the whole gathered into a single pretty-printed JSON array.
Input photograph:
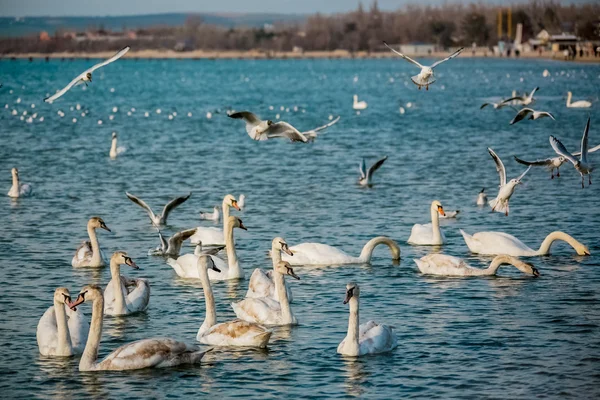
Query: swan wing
[
  {"x": 185, "y": 266},
  {"x": 378, "y": 339},
  {"x": 284, "y": 129},
  {"x": 83, "y": 253},
  {"x": 260, "y": 285},
  {"x": 318, "y": 254},
  {"x": 79, "y": 327},
  {"x": 493, "y": 243},
  {"x": 208, "y": 236},
  {"x": 499, "y": 167},
  {"x": 421, "y": 234},
  {"x": 172, "y": 204},
  {"x": 451, "y": 56},
  {"x": 375, "y": 167},
  {"x": 260, "y": 310},
  {"x": 139, "y": 298},
  {"x": 142, "y": 204},
  {"x": 584, "y": 142},
  {"x": 114, "y": 58},
  {"x": 236, "y": 333},
  {"x": 561, "y": 150},
  {"x": 47, "y": 333},
  {"x": 407, "y": 58}
]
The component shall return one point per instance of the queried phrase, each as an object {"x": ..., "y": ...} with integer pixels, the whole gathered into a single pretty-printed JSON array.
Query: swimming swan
[
  {"x": 88, "y": 254},
  {"x": 18, "y": 189},
  {"x": 577, "y": 104},
  {"x": 261, "y": 283},
  {"x": 445, "y": 265},
  {"x": 145, "y": 353},
  {"x": 124, "y": 295},
  {"x": 429, "y": 234},
  {"x": 215, "y": 236}
]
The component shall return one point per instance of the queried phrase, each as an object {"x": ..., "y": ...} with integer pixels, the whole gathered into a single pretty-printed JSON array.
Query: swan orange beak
[
  {"x": 234, "y": 204},
  {"x": 80, "y": 299},
  {"x": 441, "y": 211}
]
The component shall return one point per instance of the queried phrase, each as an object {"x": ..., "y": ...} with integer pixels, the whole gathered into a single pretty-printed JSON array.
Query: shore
[{"x": 257, "y": 55}]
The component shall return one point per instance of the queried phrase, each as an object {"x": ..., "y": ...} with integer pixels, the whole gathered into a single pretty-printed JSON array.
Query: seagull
[
  {"x": 366, "y": 175},
  {"x": 263, "y": 130},
  {"x": 160, "y": 219},
  {"x": 500, "y": 203},
  {"x": 553, "y": 162},
  {"x": 425, "y": 77},
  {"x": 532, "y": 115},
  {"x": 86, "y": 76},
  {"x": 524, "y": 100},
  {"x": 172, "y": 247},
  {"x": 497, "y": 106},
  {"x": 582, "y": 166},
  {"x": 482, "y": 198},
  {"x": 213, "y": 216}
]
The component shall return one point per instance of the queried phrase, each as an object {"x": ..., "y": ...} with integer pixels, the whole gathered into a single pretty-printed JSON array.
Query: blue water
[{"x": 511, "y": 336}]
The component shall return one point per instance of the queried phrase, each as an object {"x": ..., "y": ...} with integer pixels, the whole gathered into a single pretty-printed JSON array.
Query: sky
[{"x": 11, "y": 8}]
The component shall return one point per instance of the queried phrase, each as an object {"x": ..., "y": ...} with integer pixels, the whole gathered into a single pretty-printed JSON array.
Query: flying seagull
[
  {"x": 425, "y": 77},
  {"x": 160, "y": 219},
  {"x": 532, "y": 114},
  {"x": 367, "y": 174},
  {"x": 172, "y": 247},
  {"x": 524, "y": 100},
  {"x": 553, "y": 162},
  {"x": 85, "y": 76},
  {"x": 500, "y": 203},
  {"x": 582, "y": 166}
]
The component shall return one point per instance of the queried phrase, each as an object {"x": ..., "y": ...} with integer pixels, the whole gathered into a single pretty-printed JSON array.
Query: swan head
[
  {"x": 437, "y": 206},
  {"x": 207, "y": 262},
  {"x": 14, "y": 172},
  {"x": 97, "y": 222},
  {"x": 62, "y": 295},
  {"x": 88, "y": 293},
  {"x": 237, "y": 223},
  {"x": 231, "y": 201},
  {"x": 279, "y": 243},
  {"x": 121, "y": 258},
  {"x": 284, "y": 268},
  {"x": 582, "y": 249},
  {"x": 526, "y": 267},
  {"x": 352, "y": 290},
  {"x": 114, "y": 135}
]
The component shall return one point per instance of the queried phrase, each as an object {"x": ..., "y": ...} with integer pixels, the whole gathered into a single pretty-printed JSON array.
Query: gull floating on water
[
  {"x": 86, "y": 76},
  {"x": 367, "y": 174},
  {"x": 500, "y": 203},
  {"x": 426, "y": 76},
  {"x": 530, "y": 114},
  {"x": 213, "y": 216},
  {"x": 582, "y": 166},
  {"x": 160, "y": 219}
]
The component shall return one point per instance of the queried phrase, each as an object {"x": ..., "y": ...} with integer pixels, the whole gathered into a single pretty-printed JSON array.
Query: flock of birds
[{"x": 64, "y": 330}]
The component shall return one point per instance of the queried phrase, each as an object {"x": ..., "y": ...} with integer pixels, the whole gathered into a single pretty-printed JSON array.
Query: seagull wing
[
  {"x": 179, "y": 237},
  {"x": 561, "y": 150},
  {"x": 142, "y": 204},
  {"x": 524, "y": 173},
  {"x": 283, "y": 129},
  {"x": 213, "y": 251},
  {"x": 451, "y": 56},
  {"x": 163, "y": 243},
  {"x": 499, "y": 167},
  {"x": 547, "y": 114},
  {"x": 64, "y": 90},
  {"x": 172, "y": 204},
  {"x": 505, "y": 102},
  {"x": 407, "y": 58},
  {"x": 375, "y": 167},
  {"x": 538, "y": 163},
  {"x": 362, "y": 168},
  {"x": 324, "y": 126},
  {"x": 584, "y": 142},
  {"x": 120, "y": 54},
  {"x": 251, "y": 122},
  {"x": 533, "y": 92},
  {"x": 521, "y": 115},
  {"x": 592, "y": 150},
  {"x": 484, "y": 105}
]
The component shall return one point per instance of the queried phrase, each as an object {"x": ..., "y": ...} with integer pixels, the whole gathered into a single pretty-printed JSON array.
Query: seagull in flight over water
[
  {"x": 85, "y": 76},
  {"x": 525, "y": 112},
  {"x": 160, "y": 219},
  {"x": 582, "y": 166},
  {"x": 500, "y": 203}
]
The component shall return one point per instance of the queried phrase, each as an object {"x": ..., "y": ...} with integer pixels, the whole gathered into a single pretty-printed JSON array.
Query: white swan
[
  {"x": 445, "y": 265},
  {"x": 213, "y": 216},
  {"x": 232, "y": 333},
  {"x": 359, "y": 105},
  {"x": 492, "y": 243},
  {"x": 114, "y": 150},
  {"x": 368, "y": 338},
  {"x": 582, "y": 165},
  {"x": 500, "y": 203},
  {"x": 145, "y": 353},
  {"x": 482, "y": 198},
  {"x": 577, "y": 104},
  {"x": 55, "y": 335},
  {"x": 429, "y": 234},
  {"x": 265, "y": 310},
  {"x": 172, "y": 247},
  {"x": 186, "y": 265},
  {"x": 426, "y": 77},
  {"x": 160, "y": 219},
  {"x": 18, "y": 189},
  {"x": 211, "y": 235},
  {"x": 322, "y": 254},
  {"x": 88, "y": 254},
  {"x": 124, "y": 295},
  {"x": 261, "y": 283}
]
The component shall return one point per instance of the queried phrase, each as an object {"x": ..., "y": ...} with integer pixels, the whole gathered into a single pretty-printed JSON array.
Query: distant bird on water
[{"x": 366, "y": 175}]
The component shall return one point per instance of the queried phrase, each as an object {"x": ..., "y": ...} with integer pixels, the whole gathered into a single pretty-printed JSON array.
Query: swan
[
  {"x": 55, "y": 335},
  {"x": 322, "y": 254},
  {"x": 426, "y": 77},
  {"x": 492, "y": 243},
  {"x": 367, "y": 174},
  {"x": 172, "y": 247},
  {"x": 114, "y": 150},
  {"x": 265, "y": 310},
  {"x": 123, "y": 295},
  {"x": 529, "y": 113},
  {"x": 524, "y": 100},
  {"x": 186, "y": 265},
  {"x": 577, "y": 104},
  {"x": 359, "y": 105},
  {"x": 261, "y": 283},
  {"x": 160, "y": 219},
  {"x": 88, "y": 254},
  {"x": 215, "y": 236},
  {"x": 18, "y": 189},
  {"x": 368, "y": 338},
  {"x": 242, "y": 201},
  {"x": 232, "y": 333},
  {"x": 429, "y": 234},
  {"x": 145, "y": 353},
  {"x": 213, "y": 216},
  {"x": 500, "y": 203},
  {"x": 482, "y": 198},
  {"x": 582, "y": 165},
  {"x": 445, "y": 265}
]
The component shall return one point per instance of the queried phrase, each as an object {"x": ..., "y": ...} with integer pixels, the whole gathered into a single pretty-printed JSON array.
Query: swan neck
[
  {"x": 90, "y": 354},
  {"x": 225, "y": 206},
  {"x": 496, "y": 263},
  {"x": 569, "y": 97},
  {"x": 211, "y": 315},
  {"x": 113, "y": 147},
  {"x": 353, "y": 320},
  {"x": 96, "y": 257},
  {"x": 554, "y": 236},
  {"x": 367, "y": 252},
  {"x": 286, "y": 312},
  {"x": 115, "y": 272},
  {"x": 275, "y": 255},
  {"x": 64, "y": 346},
  {"x": 435, "y": 225},
  {"x": 232, "y": 259}
]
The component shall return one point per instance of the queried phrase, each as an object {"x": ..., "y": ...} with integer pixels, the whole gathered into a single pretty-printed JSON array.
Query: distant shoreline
[{"x": 263, "y": 55}]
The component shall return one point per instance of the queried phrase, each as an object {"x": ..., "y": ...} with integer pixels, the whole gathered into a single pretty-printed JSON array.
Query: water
[{"x": 511, "y": 336}]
